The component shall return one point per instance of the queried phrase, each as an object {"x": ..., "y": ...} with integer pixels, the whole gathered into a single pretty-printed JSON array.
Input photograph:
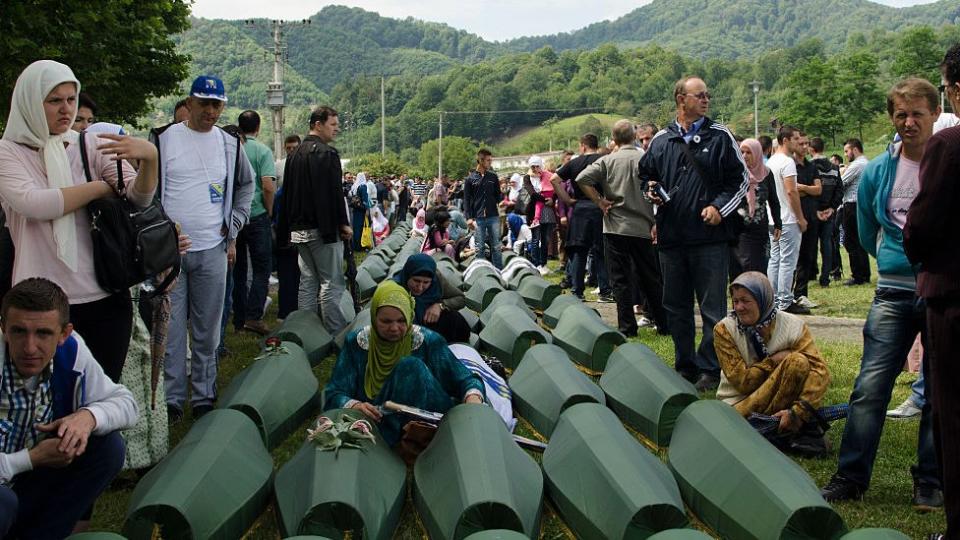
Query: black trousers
[
  {"x": 943, "y": 327},
  {"x": 288, "y": 274},
  {"x": 632, "y": 263},
  {"x": 752, "y": 251},
  {"x": 859, "y": 262},
  {"x": 105, "y": 326},
  {"x": 807, "y": 263}
]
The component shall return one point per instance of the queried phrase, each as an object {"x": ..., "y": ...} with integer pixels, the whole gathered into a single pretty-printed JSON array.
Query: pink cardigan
[{"x": 30, "y": 206}]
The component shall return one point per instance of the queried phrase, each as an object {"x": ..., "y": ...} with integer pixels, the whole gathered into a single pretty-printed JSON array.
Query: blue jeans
[
  {"x": 784, "y": 254},
  {"x": 699, "y": 271},
  {"x": 892, "y": 325},
  {"x": 255, "y": 239},
  {"x": 917, "y": 392},
  {"x": 45, "y": 503},
  {"x": 488, "y": 232}
]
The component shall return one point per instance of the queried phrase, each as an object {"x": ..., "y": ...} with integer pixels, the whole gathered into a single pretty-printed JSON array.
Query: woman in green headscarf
[{"x": 396, "y": 360}]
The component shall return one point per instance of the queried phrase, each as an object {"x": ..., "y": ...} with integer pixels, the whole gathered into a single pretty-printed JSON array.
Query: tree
[
  {"x": 459, "y": 156},
  {"x": 810, "y": 98},
  {"x": 918, "y": 55},
  {"x": 858, "y": 93},
  {"x": 121, "y": 51},
  {"x": 377, "y": 165}
]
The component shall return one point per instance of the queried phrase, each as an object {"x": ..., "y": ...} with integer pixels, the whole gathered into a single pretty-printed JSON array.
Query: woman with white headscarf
[{"x": 44, "y": 193}]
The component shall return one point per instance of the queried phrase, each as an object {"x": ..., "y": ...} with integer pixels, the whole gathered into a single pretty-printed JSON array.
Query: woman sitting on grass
[
  {"x": 396, "y": 360},
  {"x": 770, "y": 364},
  {"x": 437, "y": 301}
]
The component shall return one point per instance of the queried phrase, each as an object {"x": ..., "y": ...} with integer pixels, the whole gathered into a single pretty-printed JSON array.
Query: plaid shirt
[{"x": 21, "y": 410}]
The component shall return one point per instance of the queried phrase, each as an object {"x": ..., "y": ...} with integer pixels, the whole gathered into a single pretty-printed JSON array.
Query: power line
[{"x": 516, "y": 111}]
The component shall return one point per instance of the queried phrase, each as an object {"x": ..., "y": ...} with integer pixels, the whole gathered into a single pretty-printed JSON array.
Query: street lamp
[{"x": 756, "y": 110}]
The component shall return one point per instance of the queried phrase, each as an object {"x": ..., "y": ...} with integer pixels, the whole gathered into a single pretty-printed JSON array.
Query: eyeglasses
[{"x": 701, "y": 96}]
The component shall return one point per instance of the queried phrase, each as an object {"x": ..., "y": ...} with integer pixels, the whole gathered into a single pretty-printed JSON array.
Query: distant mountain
[{"x": 738, "y": 28}]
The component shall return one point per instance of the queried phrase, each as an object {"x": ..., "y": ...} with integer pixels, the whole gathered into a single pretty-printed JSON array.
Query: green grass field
[{"x": 886, "y": 504}]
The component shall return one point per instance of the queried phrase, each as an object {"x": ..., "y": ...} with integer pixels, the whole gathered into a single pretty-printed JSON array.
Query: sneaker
[
  {"x": 797, "y": 309},
  {"x": 273, "y": 281},
  {"x": 707, "y": 383},
  {"x": 936, "y": 536},
  {"x": 257, "y": 327},
  {"x": 643, "y": 322},
  {"x": 565, "y": 283},
  {"x": 544, "y": 270},
  {"x": 596, "y": 291},
  {"x": 806, "y": 302},
  {"x": 907, "y": 409},
  {"x": 825, "y": 283},
  {"x": 841, "y": 489},
  {"x": 198, "y": 411},
  {"x": 174, "y": 415},
  {"x": 606, "y": 299},
  {"x": 852, "y": 282},
  {"x": 926, "y": 498}
]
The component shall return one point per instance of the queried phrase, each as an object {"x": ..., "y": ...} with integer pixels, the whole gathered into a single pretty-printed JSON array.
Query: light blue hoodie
[{"x": 880, "y": 236}]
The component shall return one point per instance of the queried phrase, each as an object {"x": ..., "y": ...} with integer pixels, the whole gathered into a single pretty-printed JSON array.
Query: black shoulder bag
[{"x": 130, "y": 244}]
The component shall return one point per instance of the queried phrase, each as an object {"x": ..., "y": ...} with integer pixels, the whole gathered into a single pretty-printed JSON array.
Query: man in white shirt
[
  {"x": 206, "y": 187},
  {"x": 59, "y": 416},
  {"x": 859, "y": 262},
  {"x": 785, "y": 251}
]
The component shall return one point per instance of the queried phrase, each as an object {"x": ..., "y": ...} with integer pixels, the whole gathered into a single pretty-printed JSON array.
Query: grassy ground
[{"x": 886, "y": 504}]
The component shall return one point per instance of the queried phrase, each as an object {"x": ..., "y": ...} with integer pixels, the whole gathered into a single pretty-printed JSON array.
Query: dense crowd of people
[{"x": 656, "y": 221}]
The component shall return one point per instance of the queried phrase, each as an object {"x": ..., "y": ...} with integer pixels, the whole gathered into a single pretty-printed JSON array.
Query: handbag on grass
[{"x": 130, "y": 244}]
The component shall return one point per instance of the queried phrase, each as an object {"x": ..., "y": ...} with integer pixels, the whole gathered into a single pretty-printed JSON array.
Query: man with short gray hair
[{"x": 613, "y": 183}]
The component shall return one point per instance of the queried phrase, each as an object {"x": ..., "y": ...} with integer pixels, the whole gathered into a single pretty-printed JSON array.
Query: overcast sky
[{"x": 494, "y": 20}]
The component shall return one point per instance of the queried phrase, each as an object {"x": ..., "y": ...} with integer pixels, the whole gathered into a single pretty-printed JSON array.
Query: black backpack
[{"x": 130, "y": 244}]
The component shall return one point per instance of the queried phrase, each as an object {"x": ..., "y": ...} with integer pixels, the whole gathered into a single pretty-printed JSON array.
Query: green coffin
[
  {"x": 376, "y": 267},
  {"x": 545, "y": 383},
  {"x": 509, "y": 333},
  {"x": 680, "y": 534},
  {"x": 96, "y": 536},
  {"x": 362, "y": 319},
  {"x": 278, "y": 392},
  {"x": 305, "y": 328},
  {"x": 644, "y": 392},
  {"x": 480, "y": 272},
  {"x": 383, "y": 251},
  {"x": 497, "y": 534},
  {"x": 473, "y": 320},
  {"x": 473, "y": 477},
  {"x": 504, "y": 298},
  {"x": 519, "y": 276},
  {"x": 346, "y": 307},
  {"x": 482, "y": 291},
  {"x": 507, "y": 255},
  {"x": 452, "y": 276},
  {"x": 474, "y": 341},
  {"x": 327, "y": 493},
  {"x": 604, "y": 483},
  {"x": 538, "y": 292},
  {"x": 739, "y": 485},
  {"x": 562, "y": 304},
  {"x": 587, "y": 339},
  {"x": 465, "y": 263},
  {"x": 365, "y": 284},
  {"x": 442, "y": 257},
  {"x": 874, "y": 534},
  {"x": 214, "y": 484}
]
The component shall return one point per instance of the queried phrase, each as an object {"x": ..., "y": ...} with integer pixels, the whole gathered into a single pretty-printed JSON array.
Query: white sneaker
[
  {"x": 643, "y": 322},
  {"x": 273, "y": 281},
  {"x": 907, "y": 409},
  {"x": 544, "y": 270},
  {"x": 596, "y": 291},
  {"x": 806, "y": 302}
]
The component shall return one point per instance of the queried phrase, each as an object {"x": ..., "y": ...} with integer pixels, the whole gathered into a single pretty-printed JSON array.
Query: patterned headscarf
[
  {"x": 757, "y": 284},
  {"x": 384, "y": 355},
  {"x": 758, "y": 172}
]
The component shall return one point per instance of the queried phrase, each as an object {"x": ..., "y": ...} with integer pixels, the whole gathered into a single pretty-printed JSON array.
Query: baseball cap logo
[{"x": 211, "y": 84}]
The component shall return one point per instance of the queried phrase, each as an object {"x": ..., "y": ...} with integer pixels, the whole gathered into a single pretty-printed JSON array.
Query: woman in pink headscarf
[{"x": 753, "y": 247}]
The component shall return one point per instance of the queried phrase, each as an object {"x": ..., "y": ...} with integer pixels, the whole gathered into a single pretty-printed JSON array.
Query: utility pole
[
  {"x": 275, "y": 92},
  {"x": 383, "y": 117},
  {"x": 756, "y": 108},
  {"x": 440, "y": 149}
]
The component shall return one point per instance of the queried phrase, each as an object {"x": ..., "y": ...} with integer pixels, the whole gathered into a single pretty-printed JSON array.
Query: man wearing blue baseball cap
[{"x": 206, "y": 186}]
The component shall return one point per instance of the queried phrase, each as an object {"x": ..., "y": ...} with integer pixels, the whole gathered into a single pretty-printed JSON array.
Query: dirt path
[{"x": 823, "y": 328}]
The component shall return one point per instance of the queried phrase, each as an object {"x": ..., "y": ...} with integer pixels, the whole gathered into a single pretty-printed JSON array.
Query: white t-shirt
[
  {"x": 905, "y": 188},
  {"x": 945, "y": 120},
  {"x": 783, "y": 167},
  {"x": 194, "y": 183}
]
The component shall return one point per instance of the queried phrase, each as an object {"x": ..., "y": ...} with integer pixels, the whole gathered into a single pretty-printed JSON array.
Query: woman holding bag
[{"x": 44, "y": 193}]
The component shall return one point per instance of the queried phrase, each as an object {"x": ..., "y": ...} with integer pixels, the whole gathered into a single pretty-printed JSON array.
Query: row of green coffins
[{"x": 603, "y": 482}]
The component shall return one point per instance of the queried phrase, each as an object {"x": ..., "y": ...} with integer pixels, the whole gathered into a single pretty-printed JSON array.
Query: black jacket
[
  {"x": 481, "y": 195},
  {"x": 832, "y": 194},
  {"x": 716, "y": 151},
  {"x": 312, "y": 195}
]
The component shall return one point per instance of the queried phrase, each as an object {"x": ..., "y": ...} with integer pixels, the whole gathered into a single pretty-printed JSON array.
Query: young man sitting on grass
[{"x": 59, "y": 417}]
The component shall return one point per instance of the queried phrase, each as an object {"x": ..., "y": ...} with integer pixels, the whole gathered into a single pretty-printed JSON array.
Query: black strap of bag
[
  {"x": 734, "y": 225},
  {"x": 121, "y": 192}
]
